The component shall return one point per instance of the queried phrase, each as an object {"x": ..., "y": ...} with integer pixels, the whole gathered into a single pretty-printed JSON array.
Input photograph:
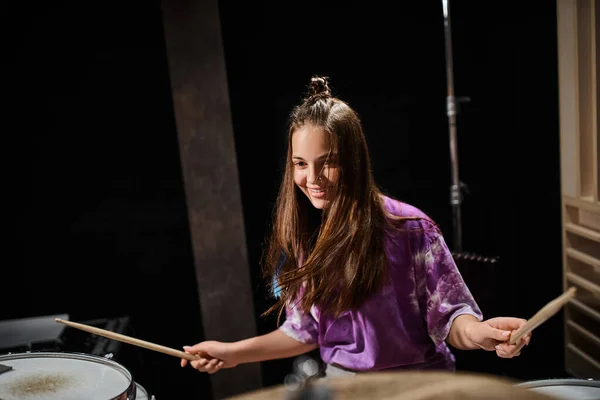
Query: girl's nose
[{"x": 314, "y": 176}]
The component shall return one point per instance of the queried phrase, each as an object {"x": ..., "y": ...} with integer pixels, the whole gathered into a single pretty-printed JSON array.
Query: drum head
[
  {"x": 63, "y": 376},
  {"x": 570, "y": 388},
  {"x": 413, "y": 385}
]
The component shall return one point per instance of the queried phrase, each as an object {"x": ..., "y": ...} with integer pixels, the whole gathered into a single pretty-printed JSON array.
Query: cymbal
[{"x": 408, "y": 385}]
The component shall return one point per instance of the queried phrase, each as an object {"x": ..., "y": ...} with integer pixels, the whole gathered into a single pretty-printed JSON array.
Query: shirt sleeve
[
  {"x": 300, "y": 326},
  {"x": 443, "y": 294}
]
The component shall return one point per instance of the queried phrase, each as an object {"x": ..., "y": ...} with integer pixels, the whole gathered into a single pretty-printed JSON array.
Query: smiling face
[{"x": 316, "y": 171}]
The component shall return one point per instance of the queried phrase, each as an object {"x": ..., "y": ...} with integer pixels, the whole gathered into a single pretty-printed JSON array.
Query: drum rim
[
  {"x": 129, "y": 390},
  {"x": 142, "y": 387},
  {"x": 560, "y": 382}
]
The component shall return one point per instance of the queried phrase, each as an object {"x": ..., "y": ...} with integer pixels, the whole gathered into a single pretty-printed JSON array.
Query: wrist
[
  {"x": 470, "y": 330},
  {"x": 235, "y": 351}
]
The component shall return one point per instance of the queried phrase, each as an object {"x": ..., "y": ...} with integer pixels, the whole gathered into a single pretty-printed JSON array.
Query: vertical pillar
[{"x": 203, "y": 118}]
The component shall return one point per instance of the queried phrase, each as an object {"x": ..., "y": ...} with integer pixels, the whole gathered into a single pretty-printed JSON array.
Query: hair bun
[{"x": 319, "y": 87}]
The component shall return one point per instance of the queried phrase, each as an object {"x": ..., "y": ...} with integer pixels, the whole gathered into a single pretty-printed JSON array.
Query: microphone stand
[
  {"x": 481, "y": 273},
  {"x": 451, "y": 111}
]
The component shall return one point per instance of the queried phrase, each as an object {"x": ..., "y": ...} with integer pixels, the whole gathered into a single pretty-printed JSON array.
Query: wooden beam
[{"x": 208, "y": 157}]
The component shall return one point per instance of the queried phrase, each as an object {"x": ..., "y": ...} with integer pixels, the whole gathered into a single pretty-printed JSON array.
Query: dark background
[{"x": 96, "y": 189}]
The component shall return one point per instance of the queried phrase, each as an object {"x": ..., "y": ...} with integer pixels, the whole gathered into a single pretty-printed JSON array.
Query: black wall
[
  {"x": 101, "y": 225},
  {"x": 95, "y": 183}
]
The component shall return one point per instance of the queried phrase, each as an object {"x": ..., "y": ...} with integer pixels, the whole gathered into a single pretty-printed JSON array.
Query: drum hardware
[{"x": 300, "y": 383}]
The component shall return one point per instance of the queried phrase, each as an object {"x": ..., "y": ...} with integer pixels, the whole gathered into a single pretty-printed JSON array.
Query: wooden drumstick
[
  {"x": 543, "y": 315},
  {"x": 130, "y": 340}
]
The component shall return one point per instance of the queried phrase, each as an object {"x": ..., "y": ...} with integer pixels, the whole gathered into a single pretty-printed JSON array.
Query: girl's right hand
[{"x": 213, "y": 356}]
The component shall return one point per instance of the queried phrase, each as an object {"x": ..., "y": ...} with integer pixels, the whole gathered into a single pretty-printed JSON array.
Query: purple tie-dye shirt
[{"x": 405, "y": 325}]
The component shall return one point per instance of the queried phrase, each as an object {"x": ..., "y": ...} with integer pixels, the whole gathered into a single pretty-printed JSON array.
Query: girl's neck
[{"x": 314, "y": 218}]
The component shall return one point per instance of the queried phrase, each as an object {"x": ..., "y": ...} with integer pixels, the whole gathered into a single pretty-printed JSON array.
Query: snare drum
[
  {"x": 64, "y": 376},
  {"x": 566, "y": 389}
]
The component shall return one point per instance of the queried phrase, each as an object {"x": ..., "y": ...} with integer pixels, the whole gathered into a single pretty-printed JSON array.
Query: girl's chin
[{"x": 318, "y": 203}]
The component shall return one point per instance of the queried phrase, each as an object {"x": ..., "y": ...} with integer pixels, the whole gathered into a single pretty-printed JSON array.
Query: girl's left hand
[{"x": 494, "y": 333}]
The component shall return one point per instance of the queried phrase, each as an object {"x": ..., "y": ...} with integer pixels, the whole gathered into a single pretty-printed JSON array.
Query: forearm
[
  {"x": 459, "y": 336},
  {"x": 273, "y": 345}
]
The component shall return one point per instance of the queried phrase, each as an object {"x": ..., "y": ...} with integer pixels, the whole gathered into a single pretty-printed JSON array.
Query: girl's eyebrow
[{"x": 324, "y": 156}]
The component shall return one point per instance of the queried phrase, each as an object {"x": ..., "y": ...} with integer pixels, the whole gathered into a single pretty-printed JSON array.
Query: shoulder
[{"x": 409, "y": 217}]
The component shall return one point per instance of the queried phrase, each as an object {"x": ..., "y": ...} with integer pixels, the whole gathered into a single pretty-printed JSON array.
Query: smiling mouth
[{"x": 316, "y": 192}]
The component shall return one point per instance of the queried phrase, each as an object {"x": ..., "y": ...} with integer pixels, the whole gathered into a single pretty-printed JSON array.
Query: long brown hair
[{"x": 340, "y": 267}]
